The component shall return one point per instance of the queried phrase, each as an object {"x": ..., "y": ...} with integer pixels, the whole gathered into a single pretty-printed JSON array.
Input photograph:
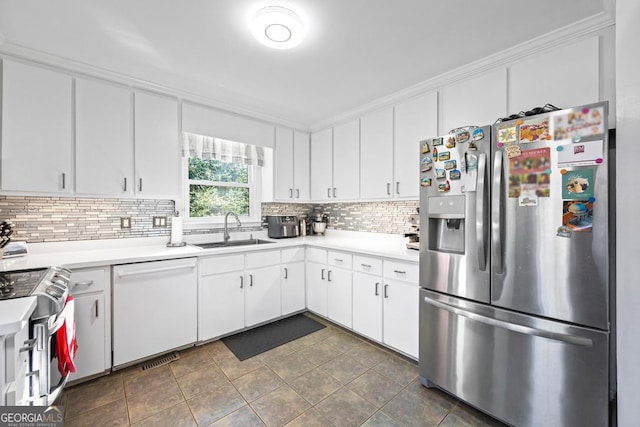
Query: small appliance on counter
[
  {"x": 282, "y": 226},
  {"x": 318, "y": 223},
  {"x": 414, "y": 235}
]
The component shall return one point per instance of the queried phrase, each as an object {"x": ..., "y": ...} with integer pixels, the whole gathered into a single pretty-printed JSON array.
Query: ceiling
[{"x": 355, "y": 52}]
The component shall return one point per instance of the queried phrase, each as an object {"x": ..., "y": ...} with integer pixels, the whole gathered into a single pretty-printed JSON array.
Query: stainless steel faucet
[{"x": 226, "y": 226}]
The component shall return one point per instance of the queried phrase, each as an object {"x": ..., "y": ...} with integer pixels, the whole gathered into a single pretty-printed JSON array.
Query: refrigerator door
[
  {"x": 523, "y": 370},
  {"x": 539, "y": 265},
  {"x": 454, "y": 214}
]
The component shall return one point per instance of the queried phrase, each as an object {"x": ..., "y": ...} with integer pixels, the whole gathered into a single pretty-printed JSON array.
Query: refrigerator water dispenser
[{"x": 446, "y": 224}]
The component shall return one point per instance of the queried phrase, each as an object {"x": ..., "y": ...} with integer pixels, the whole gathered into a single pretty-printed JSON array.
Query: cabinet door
[
  {"x": 339, "y": 296},
  {"x": 301, "y": 176},
  {"x": 414, "y": 120},
  {"x": 36, "y": 129},
  {"x": 221, "y": 305},
  {"x": 104, "y": 149},
  {"x": 283, "y": 164},
  {"x": 346, "y": 166},
  {"x": 292, "y": 285},
  {"x": 157, "y": 146},
  {"x": 367, "y": 305},
  {"x": 376, "y": 155},
  {"x": 317, "y": 288},
  {"x": 400, "y": 329},
  {"x": 90, "y": 312},
  {"x": 321, "y": 164},
  {"x": 262, "y": 295}
]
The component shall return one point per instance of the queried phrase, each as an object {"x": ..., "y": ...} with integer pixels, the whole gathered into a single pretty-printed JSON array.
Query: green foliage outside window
[{"x": 209, "y": 199}]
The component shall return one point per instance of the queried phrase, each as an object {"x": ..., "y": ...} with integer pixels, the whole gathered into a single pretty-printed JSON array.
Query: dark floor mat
[{"x": 258, "y": 340}]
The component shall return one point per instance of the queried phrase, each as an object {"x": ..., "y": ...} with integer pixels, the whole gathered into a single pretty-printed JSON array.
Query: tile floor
[{"x": 329, "y": 378}]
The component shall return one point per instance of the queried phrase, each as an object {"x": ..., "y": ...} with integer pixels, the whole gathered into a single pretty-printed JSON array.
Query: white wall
[{"x": 628, "y": 205}]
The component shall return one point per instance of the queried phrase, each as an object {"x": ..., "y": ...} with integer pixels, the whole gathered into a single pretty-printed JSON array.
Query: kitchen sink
[{"x": 231, "y": 243}]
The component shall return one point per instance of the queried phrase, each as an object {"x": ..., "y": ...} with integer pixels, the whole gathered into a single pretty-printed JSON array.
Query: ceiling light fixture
[{"x": 278, "y": 27}]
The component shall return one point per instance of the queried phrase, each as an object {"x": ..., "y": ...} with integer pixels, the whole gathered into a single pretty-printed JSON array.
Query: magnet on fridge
[
  {"x": 499, "y": 144},
  {"x": 441, "y": 174},
  {"x": 454, "y": 175},
  {"x": 478, "y": 134},
  {"x": 559, "y": 148},
  {"x": 450, "y": 164},
  {"x": 472, "y": 146},
  {"x": 513, "y": 151},
  {"x": 425, "y": 182},
  {"x": 451, "y": 142},
  {"x": 576, "y": 138},
  {"x": 435, "y": 153},
  {"x": 426, "y": 168},
  {"x": 591, "y": 199},
  {"x": 427, "y": 160},
  {"x": 563, "y": 171},
  {"x": 548, "y": 171},
  {"x": 564, "y": 231},
  {"x": 444, "y": 187},
  {"x": 519, "y": 121},
  {"x": 472, "y": 162},
  {"x": 599, "y": 160},
  {"x": 462, "y": 136},
  {"x": 444, "y": 156},
  {"x": 436, "y": 141},
  {"x": 425, "y": 147}
]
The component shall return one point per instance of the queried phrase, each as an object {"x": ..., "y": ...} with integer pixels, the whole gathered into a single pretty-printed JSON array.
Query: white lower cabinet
[
  {"x": 339, "y": 291},
  {"x": 262, "y": 294},
  {"x": 221, "y": 305},
  {"x": 91, "y": 291},
  {"x": 292, "y": 281},
  {"x": 367, "y": 305},
  {"x": 155, "y": 306},
  {"x": 317, "y": 280},
  {"x": 400, "y": 306}
]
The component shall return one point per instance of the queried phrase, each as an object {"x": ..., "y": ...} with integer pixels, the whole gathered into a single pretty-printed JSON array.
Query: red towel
[{"x": 66, "y": 339}]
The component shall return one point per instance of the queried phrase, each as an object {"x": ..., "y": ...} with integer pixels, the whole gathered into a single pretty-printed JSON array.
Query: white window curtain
[{"x": 210, "y": 148}]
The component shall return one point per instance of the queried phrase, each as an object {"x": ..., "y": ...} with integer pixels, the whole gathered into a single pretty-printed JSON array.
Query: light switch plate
[{"x": 159, "y": 221}]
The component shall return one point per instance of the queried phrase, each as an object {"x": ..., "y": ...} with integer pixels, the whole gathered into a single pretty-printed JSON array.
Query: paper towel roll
[{"x": 176, "y": 229}]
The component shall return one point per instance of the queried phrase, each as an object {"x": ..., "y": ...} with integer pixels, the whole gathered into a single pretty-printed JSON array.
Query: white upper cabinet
[
  {"x": 301, "y": 178},
  {"x": 346, "y": 154},
  {"x": 414, "y": 120},
  {"x": 291, "y": 165},
  {"x": 376, "y": 155},
  {"x": 322, "y": 164},
  {"x": 36, "y": 129},
  {"x": 566, "y": 77},
  {"x": 476, "y": 101},
  {"x": 157, "y": 146},
  {"x": 104, "y": 154}
]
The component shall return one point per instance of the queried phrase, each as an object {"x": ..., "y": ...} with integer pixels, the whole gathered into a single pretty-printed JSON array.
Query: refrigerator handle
[
  {"x": 513, "y": 327},
  {"x": 496, "y": 205},
  {"x": 480, "y": 213}
]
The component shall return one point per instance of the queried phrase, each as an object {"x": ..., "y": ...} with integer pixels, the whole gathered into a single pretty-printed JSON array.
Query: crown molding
[
  {"x": 81, "y": 69},
  {"x": 566, "y": 35}
]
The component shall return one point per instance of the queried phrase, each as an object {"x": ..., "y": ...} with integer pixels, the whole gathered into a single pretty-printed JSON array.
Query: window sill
[{"x": 192, "y": 224}]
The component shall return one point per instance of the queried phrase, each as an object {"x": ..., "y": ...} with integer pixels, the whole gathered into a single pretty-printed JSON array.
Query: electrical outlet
[
  {"x": 125, "y": 222},
  {"x": 159, "y": 221}
]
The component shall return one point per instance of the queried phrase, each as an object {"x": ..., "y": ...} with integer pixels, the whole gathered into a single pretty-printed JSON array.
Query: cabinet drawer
[
  {"x": 340, "y": 259},
  {"x": 292, "y": 255},
  {"x": 221, "y": 264},
  {"x": 400, "y": 271},
  {"x": 317, "y": 255},
  {"x": 88, "y": 280},
  {"x": 367, "y": 265},
  {"x": 262, "y": 259}
]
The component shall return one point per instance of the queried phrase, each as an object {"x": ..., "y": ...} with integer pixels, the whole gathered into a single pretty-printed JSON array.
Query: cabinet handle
[
  {"x": 388, "y": 188},
  {"x": 399, "y": 272},
  {"x": 86, "y": 284},
  {"x": 386, "y": 292},
  {"x": 291, "y": 193},
  {"x": 334, "y": 191},
  {"x": 125, "y": 184},
  {"x": 97, "y": 313},
  {"x": 297, "y": 193},
  {"x": 366, "y": 265},
  {"x": 286, "y": 273},
  {"x": 328, "y": 192},
  {"x": 338, "y": 260},
  {"x": 241, "y": 282},
  {"x": 377, "y": 286},
  {"x": 397, "y": 187},
  {"x": 322, "y": 274},
  {"x": 64, "y": 180},
  {"x": 329, "y": 276},
  {"x": 140, "y": 185},
  {"x": 251, "y": 280}
]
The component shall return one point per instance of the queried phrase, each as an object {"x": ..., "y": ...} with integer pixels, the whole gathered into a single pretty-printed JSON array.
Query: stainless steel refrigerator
[{"x": 515, "y": 267}]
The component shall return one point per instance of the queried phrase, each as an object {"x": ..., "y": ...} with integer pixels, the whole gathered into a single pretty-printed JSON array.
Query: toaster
[{"x": 281, "y": 226}]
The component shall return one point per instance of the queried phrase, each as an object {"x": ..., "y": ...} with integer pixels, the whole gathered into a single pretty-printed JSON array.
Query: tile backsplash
[{"x": 55, "y": 219}]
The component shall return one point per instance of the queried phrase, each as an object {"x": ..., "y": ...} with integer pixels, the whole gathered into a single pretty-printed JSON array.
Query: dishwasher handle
[{"x": 157, "y": 270}]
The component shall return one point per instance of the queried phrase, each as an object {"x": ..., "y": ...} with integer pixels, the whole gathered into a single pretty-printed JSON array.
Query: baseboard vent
[{"x": 163, "y": 360}]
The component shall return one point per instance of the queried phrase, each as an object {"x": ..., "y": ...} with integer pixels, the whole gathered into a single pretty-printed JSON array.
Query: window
[{"x": 221, "y": 176}]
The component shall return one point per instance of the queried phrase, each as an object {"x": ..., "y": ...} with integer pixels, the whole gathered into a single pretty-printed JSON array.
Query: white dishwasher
[{"x": 155, "y": 306}]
